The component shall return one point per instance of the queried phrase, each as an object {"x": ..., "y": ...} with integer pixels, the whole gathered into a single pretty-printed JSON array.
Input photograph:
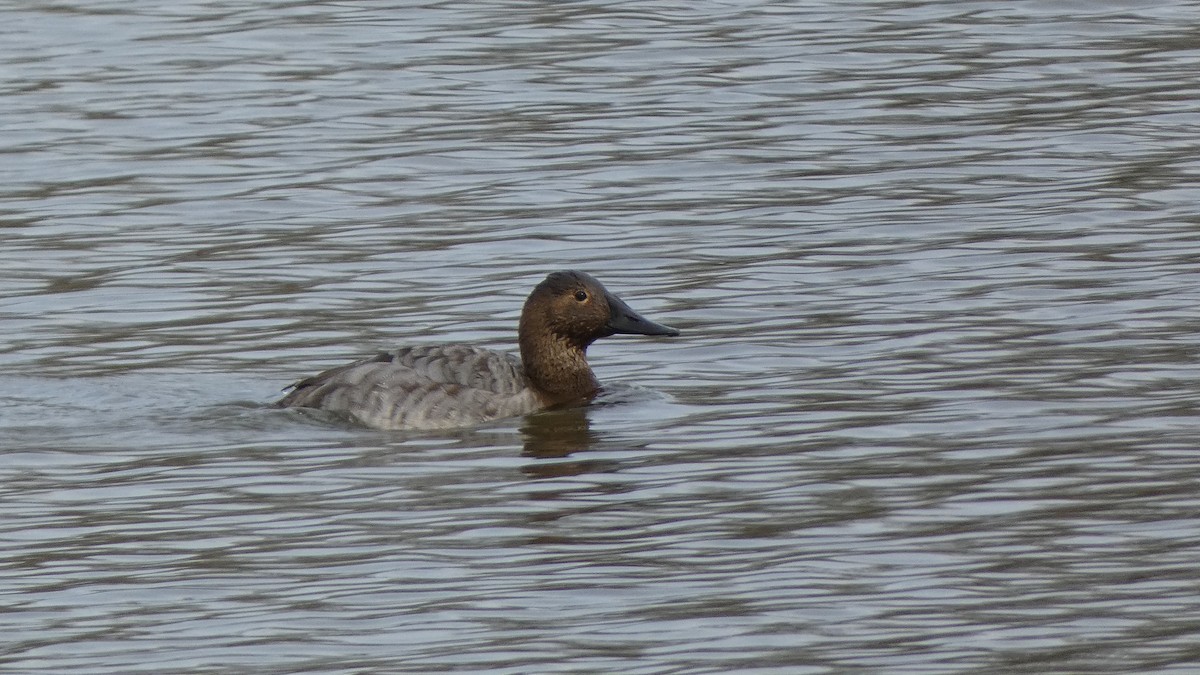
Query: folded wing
[{"x": 424, "y": 387}]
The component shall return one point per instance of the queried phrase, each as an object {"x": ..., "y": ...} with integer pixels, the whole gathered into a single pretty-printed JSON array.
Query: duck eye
[{"x": 580, "y": 296}]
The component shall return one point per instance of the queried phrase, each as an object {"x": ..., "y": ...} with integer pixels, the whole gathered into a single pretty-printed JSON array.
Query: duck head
[
  {"x": 576, "y": 308},
  {"x": 565, "y": 314}
]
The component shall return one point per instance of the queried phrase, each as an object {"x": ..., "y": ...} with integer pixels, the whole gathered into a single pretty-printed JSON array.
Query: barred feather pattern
[{"x": 423, "y": 387}]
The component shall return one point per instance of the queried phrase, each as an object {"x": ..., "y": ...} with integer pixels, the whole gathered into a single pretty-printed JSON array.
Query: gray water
[{"x": 937, "y": 267}]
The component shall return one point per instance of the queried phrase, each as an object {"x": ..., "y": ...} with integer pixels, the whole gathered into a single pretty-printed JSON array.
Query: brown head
[{"x": 564, "y": 314}]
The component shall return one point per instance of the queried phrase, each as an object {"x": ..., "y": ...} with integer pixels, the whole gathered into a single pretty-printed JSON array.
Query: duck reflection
[{"x": 555, "y": 434}]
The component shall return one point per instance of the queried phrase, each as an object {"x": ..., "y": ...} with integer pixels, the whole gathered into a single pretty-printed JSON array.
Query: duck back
[{"x": 422, "y": 387}]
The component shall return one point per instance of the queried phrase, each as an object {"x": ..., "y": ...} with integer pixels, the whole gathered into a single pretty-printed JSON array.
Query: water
[{"x": 935, "y": 264}]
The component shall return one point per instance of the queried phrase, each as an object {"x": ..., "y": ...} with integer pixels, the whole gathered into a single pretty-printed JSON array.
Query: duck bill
[{"x": 624, "y": 320}]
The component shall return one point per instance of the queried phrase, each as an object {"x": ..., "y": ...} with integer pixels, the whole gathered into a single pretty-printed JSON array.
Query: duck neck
[{"x": 556, "y": 366}]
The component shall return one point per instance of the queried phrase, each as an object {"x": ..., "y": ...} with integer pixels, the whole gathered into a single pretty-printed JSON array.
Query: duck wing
[{"x": 424, "y": 387}]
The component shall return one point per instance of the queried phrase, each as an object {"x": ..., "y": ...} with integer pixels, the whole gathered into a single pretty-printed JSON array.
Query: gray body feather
[{"x": 424, "y": 387}]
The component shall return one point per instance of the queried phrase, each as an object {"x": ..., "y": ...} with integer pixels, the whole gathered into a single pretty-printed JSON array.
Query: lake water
[{"x": 937, "y": 267}]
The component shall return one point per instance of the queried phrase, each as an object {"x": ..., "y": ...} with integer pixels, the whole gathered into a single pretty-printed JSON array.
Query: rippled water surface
[{"x": 937, "y": 267}]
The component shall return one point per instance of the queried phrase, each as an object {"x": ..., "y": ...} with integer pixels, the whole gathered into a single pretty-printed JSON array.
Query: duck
[{"x": 429, "y": 387}]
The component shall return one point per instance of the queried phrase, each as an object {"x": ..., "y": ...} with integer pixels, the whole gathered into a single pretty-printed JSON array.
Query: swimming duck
[{"x": 451, "y": 386}]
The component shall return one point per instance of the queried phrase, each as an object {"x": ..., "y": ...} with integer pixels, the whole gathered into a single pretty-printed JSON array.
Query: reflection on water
[
  {"x": 932, "y": 409},
  {"x": 557, "y": 433}
]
